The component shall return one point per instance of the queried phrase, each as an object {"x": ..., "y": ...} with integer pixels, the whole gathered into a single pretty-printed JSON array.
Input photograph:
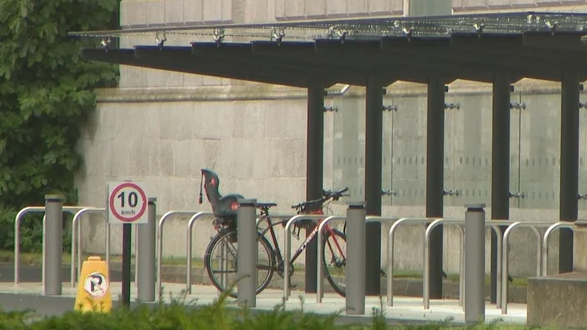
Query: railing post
[
  {"x": 145, "y": 275},
  {"x": 247, "y": 253},
  {"x": 52, "y": 242},
  {"x": 356, "y": 262},
  {"x": 475, "y": 263}
]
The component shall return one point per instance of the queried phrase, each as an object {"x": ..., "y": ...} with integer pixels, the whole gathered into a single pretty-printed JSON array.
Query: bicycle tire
[
  {"x": 226, "y": 234},
  {"x": 325, "y": 248}
]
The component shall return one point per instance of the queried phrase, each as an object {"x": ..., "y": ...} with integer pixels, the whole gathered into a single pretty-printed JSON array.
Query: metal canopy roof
[{"x": 472, "y": 47}]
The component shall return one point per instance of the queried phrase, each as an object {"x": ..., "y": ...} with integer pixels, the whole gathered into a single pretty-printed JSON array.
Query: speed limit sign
[{"x": 127, "y": 202}]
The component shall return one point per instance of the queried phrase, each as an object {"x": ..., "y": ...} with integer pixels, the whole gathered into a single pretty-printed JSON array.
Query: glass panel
[
  {"x": 366, "y": 28},
  {"x": 349, "y": 145},
  {"x": 583, "y": 155},
  {"x": 453, "y": 160},
  {"x": 515, "y": 145},
  {"x": 389, "y": 117},
  {"x": 409, "y": 151},
  {"x": 472, "y": 149},
  {"x": 540, "y": 151}
]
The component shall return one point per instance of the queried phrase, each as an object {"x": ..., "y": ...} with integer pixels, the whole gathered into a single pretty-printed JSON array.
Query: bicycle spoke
[
  {"x": 335, "y": 260},
  {"x": 222, "y": 259}
]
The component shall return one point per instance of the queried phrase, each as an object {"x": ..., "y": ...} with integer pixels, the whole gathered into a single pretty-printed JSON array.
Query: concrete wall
[
  {"x": 162, "y": 127},
  {"x": 256, "y": 143}
]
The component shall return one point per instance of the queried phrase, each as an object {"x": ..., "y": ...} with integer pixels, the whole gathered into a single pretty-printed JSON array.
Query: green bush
[
  {"x": 177, "y": 316},
  {"x": 46, "y": 94}
]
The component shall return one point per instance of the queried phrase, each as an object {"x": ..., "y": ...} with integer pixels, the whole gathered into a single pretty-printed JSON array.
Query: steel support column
[
  {"x": 373, "y": 178},
  {"x": 435, "y": 178},
  {"x": 500, "y": 166},
  {"x": 314, "y": 172},
  {"x": 569, "y": 167}
]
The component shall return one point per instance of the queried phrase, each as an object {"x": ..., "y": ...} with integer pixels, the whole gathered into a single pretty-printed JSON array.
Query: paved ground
[
  {"x": 405, "y": 310},
  {"x": 27, "y": 294}
]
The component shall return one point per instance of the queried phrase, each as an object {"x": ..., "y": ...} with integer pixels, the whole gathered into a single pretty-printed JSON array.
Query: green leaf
[
  {"x": 23, "y": 9},
  {"x": 45, "y": 93}
]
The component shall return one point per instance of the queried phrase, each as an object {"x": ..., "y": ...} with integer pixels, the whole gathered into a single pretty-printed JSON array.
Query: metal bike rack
[
  {"x": 320, "y": 281},
  {"x": 505, "y": 258},
  {"x": 159, "y": 242},
  {"x": 550, "y": 230},
  {"x": 191, "y": 222},
  {"x": 76, "y": 237},
  {"x": 107, "y": 243},
  {"x": 390, "y": 250},
  {"x": 17, "y": 220},
  {"x": 426, "y": 266},
  {"x": 319, "y": 270},
  {"x": 494, "y": 225},
  {"x": 287, "y": 248}
]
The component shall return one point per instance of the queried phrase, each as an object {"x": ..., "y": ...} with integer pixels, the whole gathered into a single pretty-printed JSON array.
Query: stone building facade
[{"x": 162, "y": 127}]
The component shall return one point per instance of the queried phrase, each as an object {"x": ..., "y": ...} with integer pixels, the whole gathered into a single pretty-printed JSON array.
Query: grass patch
[{"x": 180, "y": 314}]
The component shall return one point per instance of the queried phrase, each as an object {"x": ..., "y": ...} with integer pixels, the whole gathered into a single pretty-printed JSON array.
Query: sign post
[{"x": 127, "y": 204}]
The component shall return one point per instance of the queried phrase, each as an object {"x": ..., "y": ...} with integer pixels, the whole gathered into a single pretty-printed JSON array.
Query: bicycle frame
[{"x": 304, "y": 244}]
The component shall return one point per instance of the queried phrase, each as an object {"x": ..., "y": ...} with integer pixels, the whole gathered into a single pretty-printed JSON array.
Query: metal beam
[
  {"x": 294, "y": 51},
  {"x": 569, "y": 41},
  {"x": 525, "y": 47},
  {"x": 500, "y": 166},
  {"x": 511, "y": 51},
  {"x": 243, "y": 53},
  {"x": 314, "y": 172},
  {"x": 421, "y": 57},
  {"x": 569, "y": 167},
  {"x": 386, "y": 55},
  {"x": 183, "y": 58},
  {"x": 127, "y": 57},
  {"x": 474, "y": 54},
  {"x": 373, "y": 178},
  {"x": 435, "y": 179},
  {"x": 272, "y": 47},
  {"x": 400, "y": 66}
]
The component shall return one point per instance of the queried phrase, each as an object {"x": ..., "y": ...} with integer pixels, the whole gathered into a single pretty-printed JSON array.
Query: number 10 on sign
[{"x": 127, "y": 202}]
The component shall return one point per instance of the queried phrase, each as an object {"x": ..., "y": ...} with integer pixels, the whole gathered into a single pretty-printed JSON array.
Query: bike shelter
[{"x": 494, "y": 48}]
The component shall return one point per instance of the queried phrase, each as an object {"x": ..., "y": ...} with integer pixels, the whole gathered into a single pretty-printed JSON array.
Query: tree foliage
[{"x": 46, "y": 92}]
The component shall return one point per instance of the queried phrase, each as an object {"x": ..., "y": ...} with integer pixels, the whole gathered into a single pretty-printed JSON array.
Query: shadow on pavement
[{"x": 32, "y": 274}]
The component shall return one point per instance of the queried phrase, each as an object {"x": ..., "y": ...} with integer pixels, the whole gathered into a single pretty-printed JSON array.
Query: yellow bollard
[{"x": 93, "y": 290}]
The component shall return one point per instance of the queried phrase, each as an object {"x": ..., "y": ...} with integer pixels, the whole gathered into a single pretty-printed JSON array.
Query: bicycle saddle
[{"x": 265, "y": 205}]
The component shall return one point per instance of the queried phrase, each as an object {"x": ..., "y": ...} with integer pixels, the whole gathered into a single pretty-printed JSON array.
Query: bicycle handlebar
[{"x": 326, "y": 195}]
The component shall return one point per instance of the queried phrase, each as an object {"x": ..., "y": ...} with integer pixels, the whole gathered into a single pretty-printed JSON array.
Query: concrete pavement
[
  {"x": 27, "y": 295},
  {"x": 405, "y": 310}
]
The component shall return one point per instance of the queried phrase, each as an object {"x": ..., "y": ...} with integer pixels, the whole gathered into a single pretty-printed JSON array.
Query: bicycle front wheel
[
  {"x": 221, "y": 261},
  {"x": 334, "y": 253}
]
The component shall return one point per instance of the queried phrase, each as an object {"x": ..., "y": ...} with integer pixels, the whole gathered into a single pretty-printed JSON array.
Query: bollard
[
  {"x": 475, "y": 263},
  {"x": 356, "y": 263},
  {"x": 53, "y": 244},
  {"x": 145, "y": 275},
  {"x": 247, "y": 253}
]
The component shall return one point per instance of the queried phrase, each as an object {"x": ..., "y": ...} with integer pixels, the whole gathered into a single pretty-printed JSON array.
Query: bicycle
[{"x": 272, "y": 261}]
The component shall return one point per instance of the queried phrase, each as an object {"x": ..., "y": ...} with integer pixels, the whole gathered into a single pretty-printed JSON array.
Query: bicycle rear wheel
[
  {"x": 221, "y": 261},
  {"x": 334, "y": 253}
]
